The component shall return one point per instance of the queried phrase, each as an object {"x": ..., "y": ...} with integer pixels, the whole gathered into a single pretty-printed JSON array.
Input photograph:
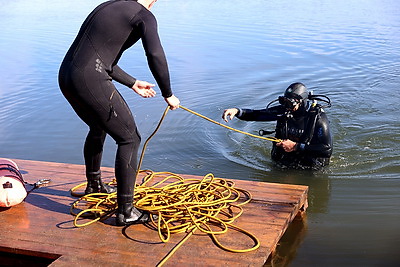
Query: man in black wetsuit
[
  {"x": 302, "y": 124},
  {"x": 85, "y": 79}
]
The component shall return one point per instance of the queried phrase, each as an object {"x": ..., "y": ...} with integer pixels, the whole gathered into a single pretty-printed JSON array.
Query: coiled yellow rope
[{"x": 179, "y": 205}]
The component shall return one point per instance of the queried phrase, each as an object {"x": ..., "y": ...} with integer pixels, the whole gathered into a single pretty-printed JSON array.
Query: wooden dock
[{"x": 41, "y": 228}]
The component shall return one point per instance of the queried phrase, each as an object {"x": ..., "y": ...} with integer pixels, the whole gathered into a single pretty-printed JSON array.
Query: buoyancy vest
[{"x": 299, "y": 128}]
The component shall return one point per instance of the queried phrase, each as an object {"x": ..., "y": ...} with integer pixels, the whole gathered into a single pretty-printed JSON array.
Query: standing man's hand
[
  {"x": 144, "y": 89},
  {"x": 173, "y": 102}
]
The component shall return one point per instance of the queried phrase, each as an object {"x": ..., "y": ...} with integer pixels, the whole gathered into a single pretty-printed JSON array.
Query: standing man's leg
[
  {"x": 93, "y": 151},
  {"x": 125, "y": 172},
  {"x": 122, "y": 128}
]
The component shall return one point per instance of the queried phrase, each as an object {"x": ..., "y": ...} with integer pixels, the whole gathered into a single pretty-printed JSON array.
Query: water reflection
[
  {"x": 235, "y": 53},
  {"x": 286, "y": 249}
]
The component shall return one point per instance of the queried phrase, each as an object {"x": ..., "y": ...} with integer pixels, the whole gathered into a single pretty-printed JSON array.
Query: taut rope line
[{"x": 270, "y": 138}]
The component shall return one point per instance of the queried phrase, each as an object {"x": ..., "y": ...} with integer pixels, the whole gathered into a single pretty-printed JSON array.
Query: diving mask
[{"x": 288, "y": 103}]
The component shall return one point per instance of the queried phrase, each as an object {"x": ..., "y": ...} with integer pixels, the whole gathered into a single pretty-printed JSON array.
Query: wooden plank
[{"x": 42, "y": 226}]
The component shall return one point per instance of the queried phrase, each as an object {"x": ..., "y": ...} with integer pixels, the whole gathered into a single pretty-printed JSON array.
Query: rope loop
[{"x": 175, "y": 204}]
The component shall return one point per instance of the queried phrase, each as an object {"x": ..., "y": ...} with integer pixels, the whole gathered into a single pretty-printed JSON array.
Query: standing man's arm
[{"x": 156, "y": 58}]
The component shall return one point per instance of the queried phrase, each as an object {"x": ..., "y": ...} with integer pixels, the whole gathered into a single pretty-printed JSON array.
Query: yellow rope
[
  {"x": 179, "y": 205},
  {"x": 270, "y": 138}
]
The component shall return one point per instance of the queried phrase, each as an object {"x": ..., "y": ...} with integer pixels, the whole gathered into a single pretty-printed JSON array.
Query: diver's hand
[
  {"x": 144, "y": 89},
  {"x": 230, "y": 112},
  {"x": 288, "y": 145},
  {"x": 173, "y": 102}
]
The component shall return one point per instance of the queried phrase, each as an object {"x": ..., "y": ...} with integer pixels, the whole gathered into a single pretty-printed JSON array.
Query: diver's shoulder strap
[{"x": 313, "y": 116}]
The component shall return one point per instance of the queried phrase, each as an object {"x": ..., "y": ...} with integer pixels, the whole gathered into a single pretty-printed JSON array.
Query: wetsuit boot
[
  {"x": 127, "y": 214},
  {"x": 95, "y": 185}
]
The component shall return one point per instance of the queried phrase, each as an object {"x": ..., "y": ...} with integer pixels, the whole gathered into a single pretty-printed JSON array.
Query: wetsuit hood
[
  {"x": 294, "y": 94},
  {"x": 296, "y": 91}
]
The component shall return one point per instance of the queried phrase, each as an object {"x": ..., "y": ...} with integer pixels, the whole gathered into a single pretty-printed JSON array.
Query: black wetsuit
[
  {"x": 86, "y": 75},
  {"x": 314, "y": 147}
]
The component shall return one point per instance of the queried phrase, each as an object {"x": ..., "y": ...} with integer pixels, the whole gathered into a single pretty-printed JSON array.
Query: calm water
[{"x": 237, "y": 53}]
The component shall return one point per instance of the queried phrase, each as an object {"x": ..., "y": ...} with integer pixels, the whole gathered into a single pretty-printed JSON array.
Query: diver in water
[{"x": 302, "y": 124}]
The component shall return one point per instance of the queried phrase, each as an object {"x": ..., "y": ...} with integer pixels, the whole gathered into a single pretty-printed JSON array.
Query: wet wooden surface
[{"x": 42, "y": 226}]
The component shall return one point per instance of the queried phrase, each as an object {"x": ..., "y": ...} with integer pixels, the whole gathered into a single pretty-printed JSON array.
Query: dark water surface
[{"x": 237, "y": 53}]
